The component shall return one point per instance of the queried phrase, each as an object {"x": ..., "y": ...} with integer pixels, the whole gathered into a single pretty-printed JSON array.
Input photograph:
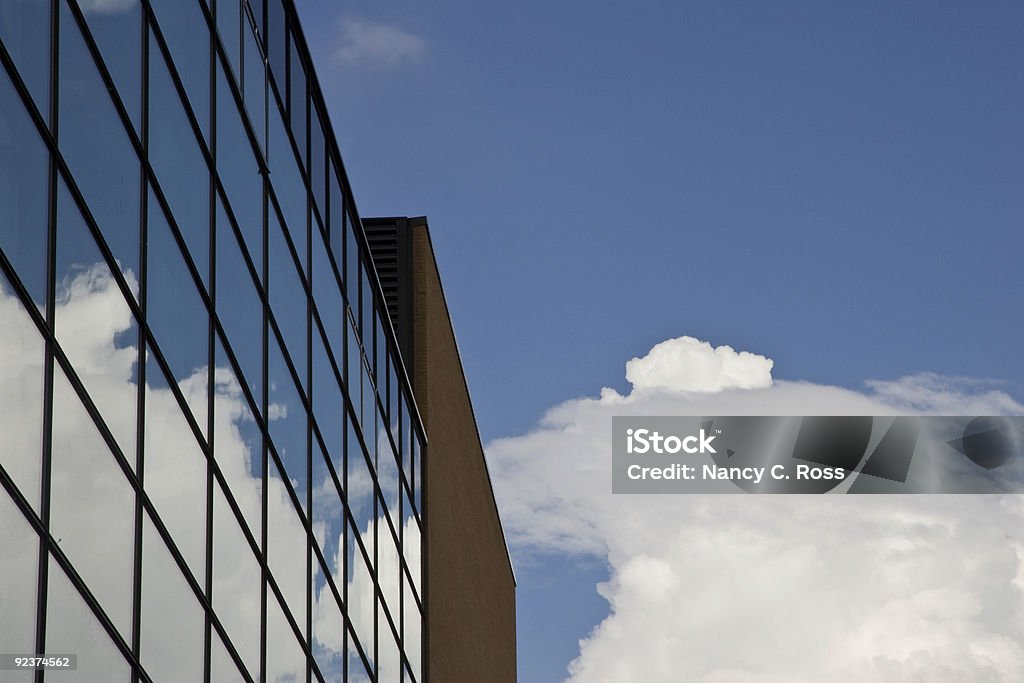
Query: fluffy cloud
[
  {"x": 688, "y": 364},
  {"x": 785, "y": 588},
  {"x": 365, "y": 43}
]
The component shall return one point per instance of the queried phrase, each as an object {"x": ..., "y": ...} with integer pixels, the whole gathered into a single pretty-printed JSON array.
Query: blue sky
[{"x": 833, "y": 185}]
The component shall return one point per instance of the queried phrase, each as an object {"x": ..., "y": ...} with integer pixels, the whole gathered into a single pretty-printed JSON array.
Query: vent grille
[{"x": 383, "y": 240}]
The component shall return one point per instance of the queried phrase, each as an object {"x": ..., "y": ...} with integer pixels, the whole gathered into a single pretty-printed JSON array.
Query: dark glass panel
[
  {"x": 288, "y": 299},
  {"x": 175, "y": 472},
  {"x": 353, "y": 364},
  {"x": 24, "y": 164},
  {"x": 94, "y": 325},
  {"x": 277, "y": 43},
  {"x": 328, "y": 300},
  {"x": 97, "y": 148},
  {"x": 229, "y": 26},
  {"x": 71, "y": 627},
  {"x": 328, "y": 402},
  {"x": 288, "y": 186},
  {"x": 352, "y": 260},
  {"x": 336, "y": 220},
  {"x": 177, "y": 315},
  {"x": 238, "y": 305},
  {"x": 188, "y": 40},
  {"x": 19, "y": 567},
  {"x": 317, "y": 163},
  {"x": 238, "y": 443},
  {"x": 237, "y": 581},
  {"x": 171, "y": 628},
  {"x": 21, "y": 396},
  {"x": 91, "y": 508},
  {"x": 255, "y": 84},
  {"x": 417, "y": 473},
  {"x": 25, "y": 32},
  {"x": 289, "y": 425},
  {"x": 117, "y": 29},
  {"x": 180, "y": 168},
  {"x": 297, "y": 100},
  {"x": 239, "y": 172}
]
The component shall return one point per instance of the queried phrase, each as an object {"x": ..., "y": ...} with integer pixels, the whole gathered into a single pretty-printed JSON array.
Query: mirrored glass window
[
  {"x": 328, "y": 301},
  {"x": 255, "y": 85},
  {"x": 286, "y": 662},
  {"x": 238, "y": 305},
  {"x": 277, "y": 43},
  {"x": 19, "y": 568},
  {"x": 289, "y": 424},
  {"x": 328, "y": 511},
  {"x": 360, "y": 487},
  {"x": 361, "y": 608},
  {"x": 25, "y": 33},
  {"x": 239, "y": 172},
  {"x": 286, "y": 545},
  {"x": 187, "y": 35},
  {"x": 222, "y": 667},
  {"x": 288, "y": 185},
  {"x": 412, "y": 634},
  {"x": 23, "y": 189},
  {"x": 117, "y": 30},
  {"x": 237, "y": 584},
  {"x": 288, "y": 300},
  {"x": 94, "y": 325},
  {"x": 97, "y": 149},
  {"x": 229, "y": 27},
  {"x": 21, "y": 396},
  {"x": 317, "y": 163},
  {"x": 389, "y": 659},
  {"x": 238, "y": 444},
  {"x": 328, "y": 626},
  {"x": 177, "y": 314},
  {"x": 175, "y": 472},
  {"x": 172, "y": 623},
  {"x": 181, "y": 170},
  {"x": 71, "y": 627},
  {"x": 90, "y": 507},
  {"x": 328, "y": 402},
  {"x": 297, "y": 101}
]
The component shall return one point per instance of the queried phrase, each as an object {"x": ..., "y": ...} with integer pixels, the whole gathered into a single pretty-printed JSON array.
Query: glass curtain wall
[{"x": 210, "y": 457}]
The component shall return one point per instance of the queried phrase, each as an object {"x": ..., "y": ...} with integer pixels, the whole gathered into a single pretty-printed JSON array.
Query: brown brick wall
[{"x": 471, "y": 627}]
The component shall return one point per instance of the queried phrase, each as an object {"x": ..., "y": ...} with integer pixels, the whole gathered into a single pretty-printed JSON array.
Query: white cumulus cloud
[{"x": 736, "y": 588}]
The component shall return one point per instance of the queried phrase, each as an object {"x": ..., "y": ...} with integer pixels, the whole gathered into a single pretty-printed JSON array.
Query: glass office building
[{"x": 210, "y": 456}]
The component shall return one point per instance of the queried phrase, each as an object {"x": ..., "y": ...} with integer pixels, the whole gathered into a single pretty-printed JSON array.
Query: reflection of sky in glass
[{"x": 146, "y": 384}]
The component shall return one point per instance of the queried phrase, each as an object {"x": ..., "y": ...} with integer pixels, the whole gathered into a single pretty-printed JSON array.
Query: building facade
[
  {"x": 212, "y": 460},
  {"x": 470, "y": 587}
]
